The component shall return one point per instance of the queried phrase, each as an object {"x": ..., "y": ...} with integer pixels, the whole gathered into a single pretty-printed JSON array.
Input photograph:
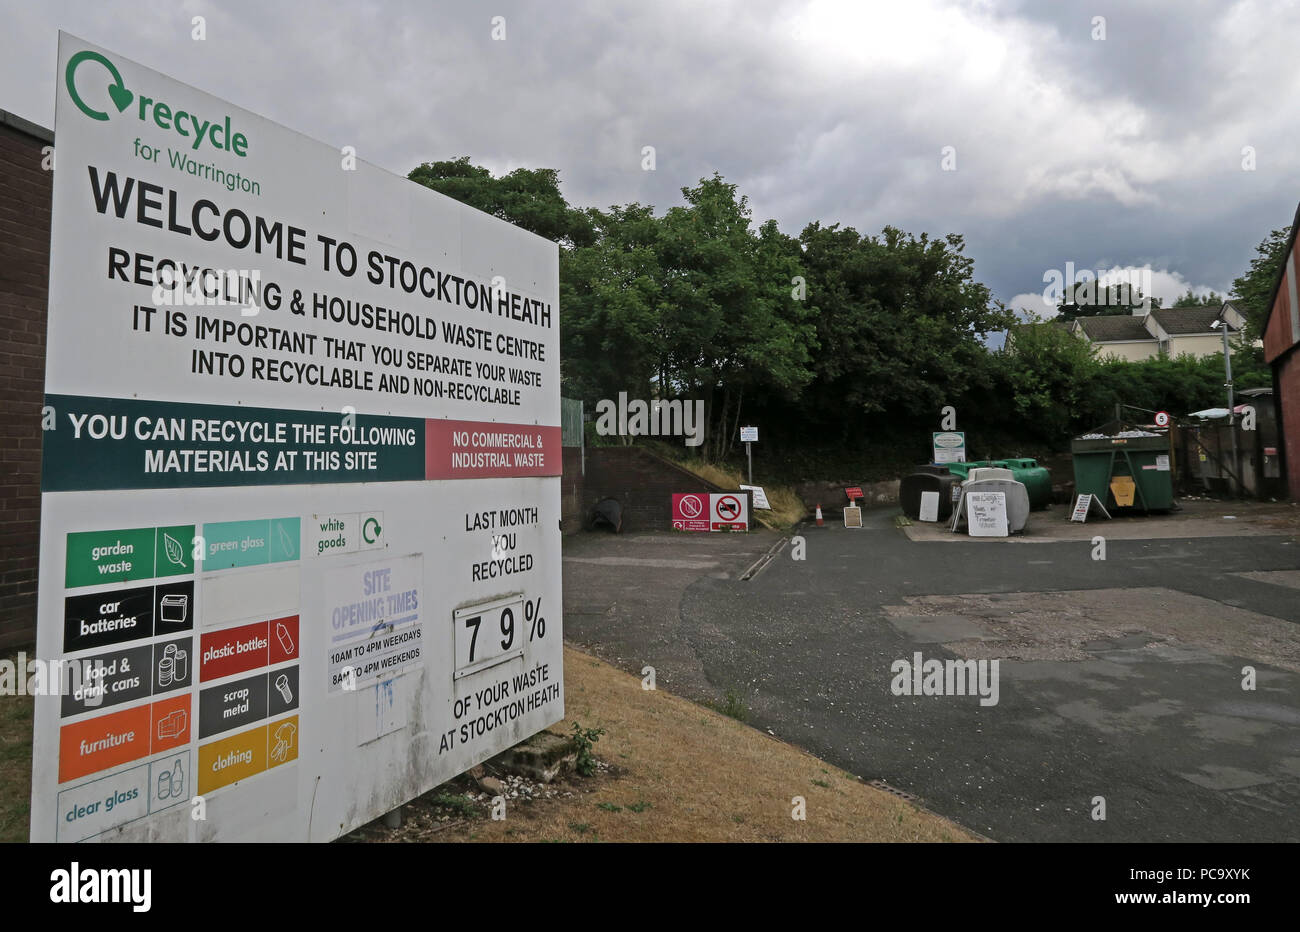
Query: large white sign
[
  {"x": 760, "y": 496},
  {"x": 302, "y": 427},
  {"x": 986, "y": 514}
]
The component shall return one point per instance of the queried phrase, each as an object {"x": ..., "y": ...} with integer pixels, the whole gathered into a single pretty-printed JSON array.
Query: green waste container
[
  {"x": 1036, "y": 479},
  {"x": 1107, "y": 464}
]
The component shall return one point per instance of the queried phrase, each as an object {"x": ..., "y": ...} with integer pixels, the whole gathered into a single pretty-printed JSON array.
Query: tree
[
  {"x": 1252, "y": 292},
  {"x": 730, "y": 322},
  {"x": 612, "y": 337},
  {"x": 1047, "y": 373},
  {"x": 901, "y": 321},
  {"x": 1090, "y": 299},
  {"x": 1191, "y": 300},
  {"x": 528, "y": 198},
  {"x": 694, "y": 305}
]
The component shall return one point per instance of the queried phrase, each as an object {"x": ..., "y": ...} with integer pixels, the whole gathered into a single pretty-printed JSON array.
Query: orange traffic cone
[{"x": 820, "y": 522}]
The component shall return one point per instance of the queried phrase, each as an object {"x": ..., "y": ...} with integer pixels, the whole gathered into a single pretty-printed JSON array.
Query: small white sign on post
[
  {"x": 986, "y": 514},
  {"x": 760, "y": 497},
  {"x": 749, "y": 435},
  {"x": 949, "y": 446},
  {"x": 929, "y": 506}
]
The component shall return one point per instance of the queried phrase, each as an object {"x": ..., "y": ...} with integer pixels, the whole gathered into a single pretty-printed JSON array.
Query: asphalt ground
[{"x": 1119, "y": 679}]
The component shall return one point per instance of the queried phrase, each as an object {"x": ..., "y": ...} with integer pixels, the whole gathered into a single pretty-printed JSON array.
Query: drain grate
[
  {"x": 761, "y": 563},
  {"x": 901, "y": 794}
]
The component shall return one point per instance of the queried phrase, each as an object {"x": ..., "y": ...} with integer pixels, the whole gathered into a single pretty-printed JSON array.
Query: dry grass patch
[
  {"x": 15, "y": 763},
  {"x": 684, "y": 773}
]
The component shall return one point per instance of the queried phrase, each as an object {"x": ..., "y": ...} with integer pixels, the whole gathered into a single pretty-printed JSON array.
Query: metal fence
[{"x": 570, "y": 422}]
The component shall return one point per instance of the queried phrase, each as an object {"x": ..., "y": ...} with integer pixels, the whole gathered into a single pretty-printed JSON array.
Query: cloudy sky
[{"x": 1069, "y": 148}]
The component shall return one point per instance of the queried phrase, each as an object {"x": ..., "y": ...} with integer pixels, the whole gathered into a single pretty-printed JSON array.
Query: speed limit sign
[{"x": 1162, "y": 419}]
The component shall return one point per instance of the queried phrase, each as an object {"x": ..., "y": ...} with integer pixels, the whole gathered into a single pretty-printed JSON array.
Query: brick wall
[
  {"x": 642, "y": 482},
  {"x": 25, "y": 190}
]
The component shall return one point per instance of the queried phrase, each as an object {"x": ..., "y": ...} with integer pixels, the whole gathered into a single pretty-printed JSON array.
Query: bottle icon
[
  {"x": 286, "y": 641},
  {"x": 171, "y": 782}
]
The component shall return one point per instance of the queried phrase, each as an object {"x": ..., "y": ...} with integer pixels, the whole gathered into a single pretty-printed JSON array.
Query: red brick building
[
  {"x": 1281, "y": 339},
  {"x": 26, "y": 187}
]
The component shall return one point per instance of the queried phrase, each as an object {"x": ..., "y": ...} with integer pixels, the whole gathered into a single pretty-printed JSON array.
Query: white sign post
[
  {"x": 749, "y": 435},
  {"x": 300, "y": 544}
]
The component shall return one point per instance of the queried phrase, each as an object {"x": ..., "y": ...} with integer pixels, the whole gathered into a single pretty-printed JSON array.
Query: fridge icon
[{"x": 175, "y": 608}]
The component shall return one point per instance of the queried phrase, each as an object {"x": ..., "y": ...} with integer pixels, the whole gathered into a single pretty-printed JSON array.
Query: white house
[{"x": 1169, "y": 331}]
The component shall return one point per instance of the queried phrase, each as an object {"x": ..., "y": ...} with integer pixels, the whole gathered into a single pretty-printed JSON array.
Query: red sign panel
[
  {"x": 171, "y": 723},
  {"x": 690, "y": 511},
  {"x": 853, "y": 493},
  {"x": 234, "y": 650},
  {"x": 283, "y": 635},
  {"x": 483, "y": 450}
]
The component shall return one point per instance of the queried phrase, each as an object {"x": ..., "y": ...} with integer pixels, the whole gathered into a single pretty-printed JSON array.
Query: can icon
[
  {"x": 167, "y": 666},
  {"x": 174, "y": 665}
]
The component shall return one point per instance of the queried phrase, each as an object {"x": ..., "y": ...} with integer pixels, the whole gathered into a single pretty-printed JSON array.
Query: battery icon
[{"x": 175, "y": 608}]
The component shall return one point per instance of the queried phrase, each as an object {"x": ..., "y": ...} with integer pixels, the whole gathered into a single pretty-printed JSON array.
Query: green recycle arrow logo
[{"x": 117, "y": 90}]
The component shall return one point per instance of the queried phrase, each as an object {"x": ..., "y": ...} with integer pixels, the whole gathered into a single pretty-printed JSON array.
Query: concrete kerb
[{"x": 1194, "y": 520}]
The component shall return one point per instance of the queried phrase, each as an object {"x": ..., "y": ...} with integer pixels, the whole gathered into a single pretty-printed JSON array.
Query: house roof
[
  {"x": 1189, "y": 319},
  {"x": 1114, "y": 328}
]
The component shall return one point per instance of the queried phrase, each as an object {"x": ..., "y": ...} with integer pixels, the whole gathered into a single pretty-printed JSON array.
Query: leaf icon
[{"x": 174, "y": 551}]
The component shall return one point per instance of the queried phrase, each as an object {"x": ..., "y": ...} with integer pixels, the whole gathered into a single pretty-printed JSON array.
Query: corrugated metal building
[{"x": 1281, "y": 337}]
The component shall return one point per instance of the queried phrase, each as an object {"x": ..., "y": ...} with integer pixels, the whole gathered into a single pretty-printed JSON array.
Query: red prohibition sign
[
  {"x": 691, "y": 506},
  {"x": 1162, "y": 419},
  {"x": 728, "y": 507}
]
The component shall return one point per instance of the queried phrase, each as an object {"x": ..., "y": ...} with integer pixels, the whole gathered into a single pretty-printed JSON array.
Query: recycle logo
[{"x": 118, "y": 91}]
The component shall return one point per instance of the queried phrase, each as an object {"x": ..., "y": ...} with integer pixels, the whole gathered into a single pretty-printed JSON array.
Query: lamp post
[{"x": 1222, "y": 326}]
